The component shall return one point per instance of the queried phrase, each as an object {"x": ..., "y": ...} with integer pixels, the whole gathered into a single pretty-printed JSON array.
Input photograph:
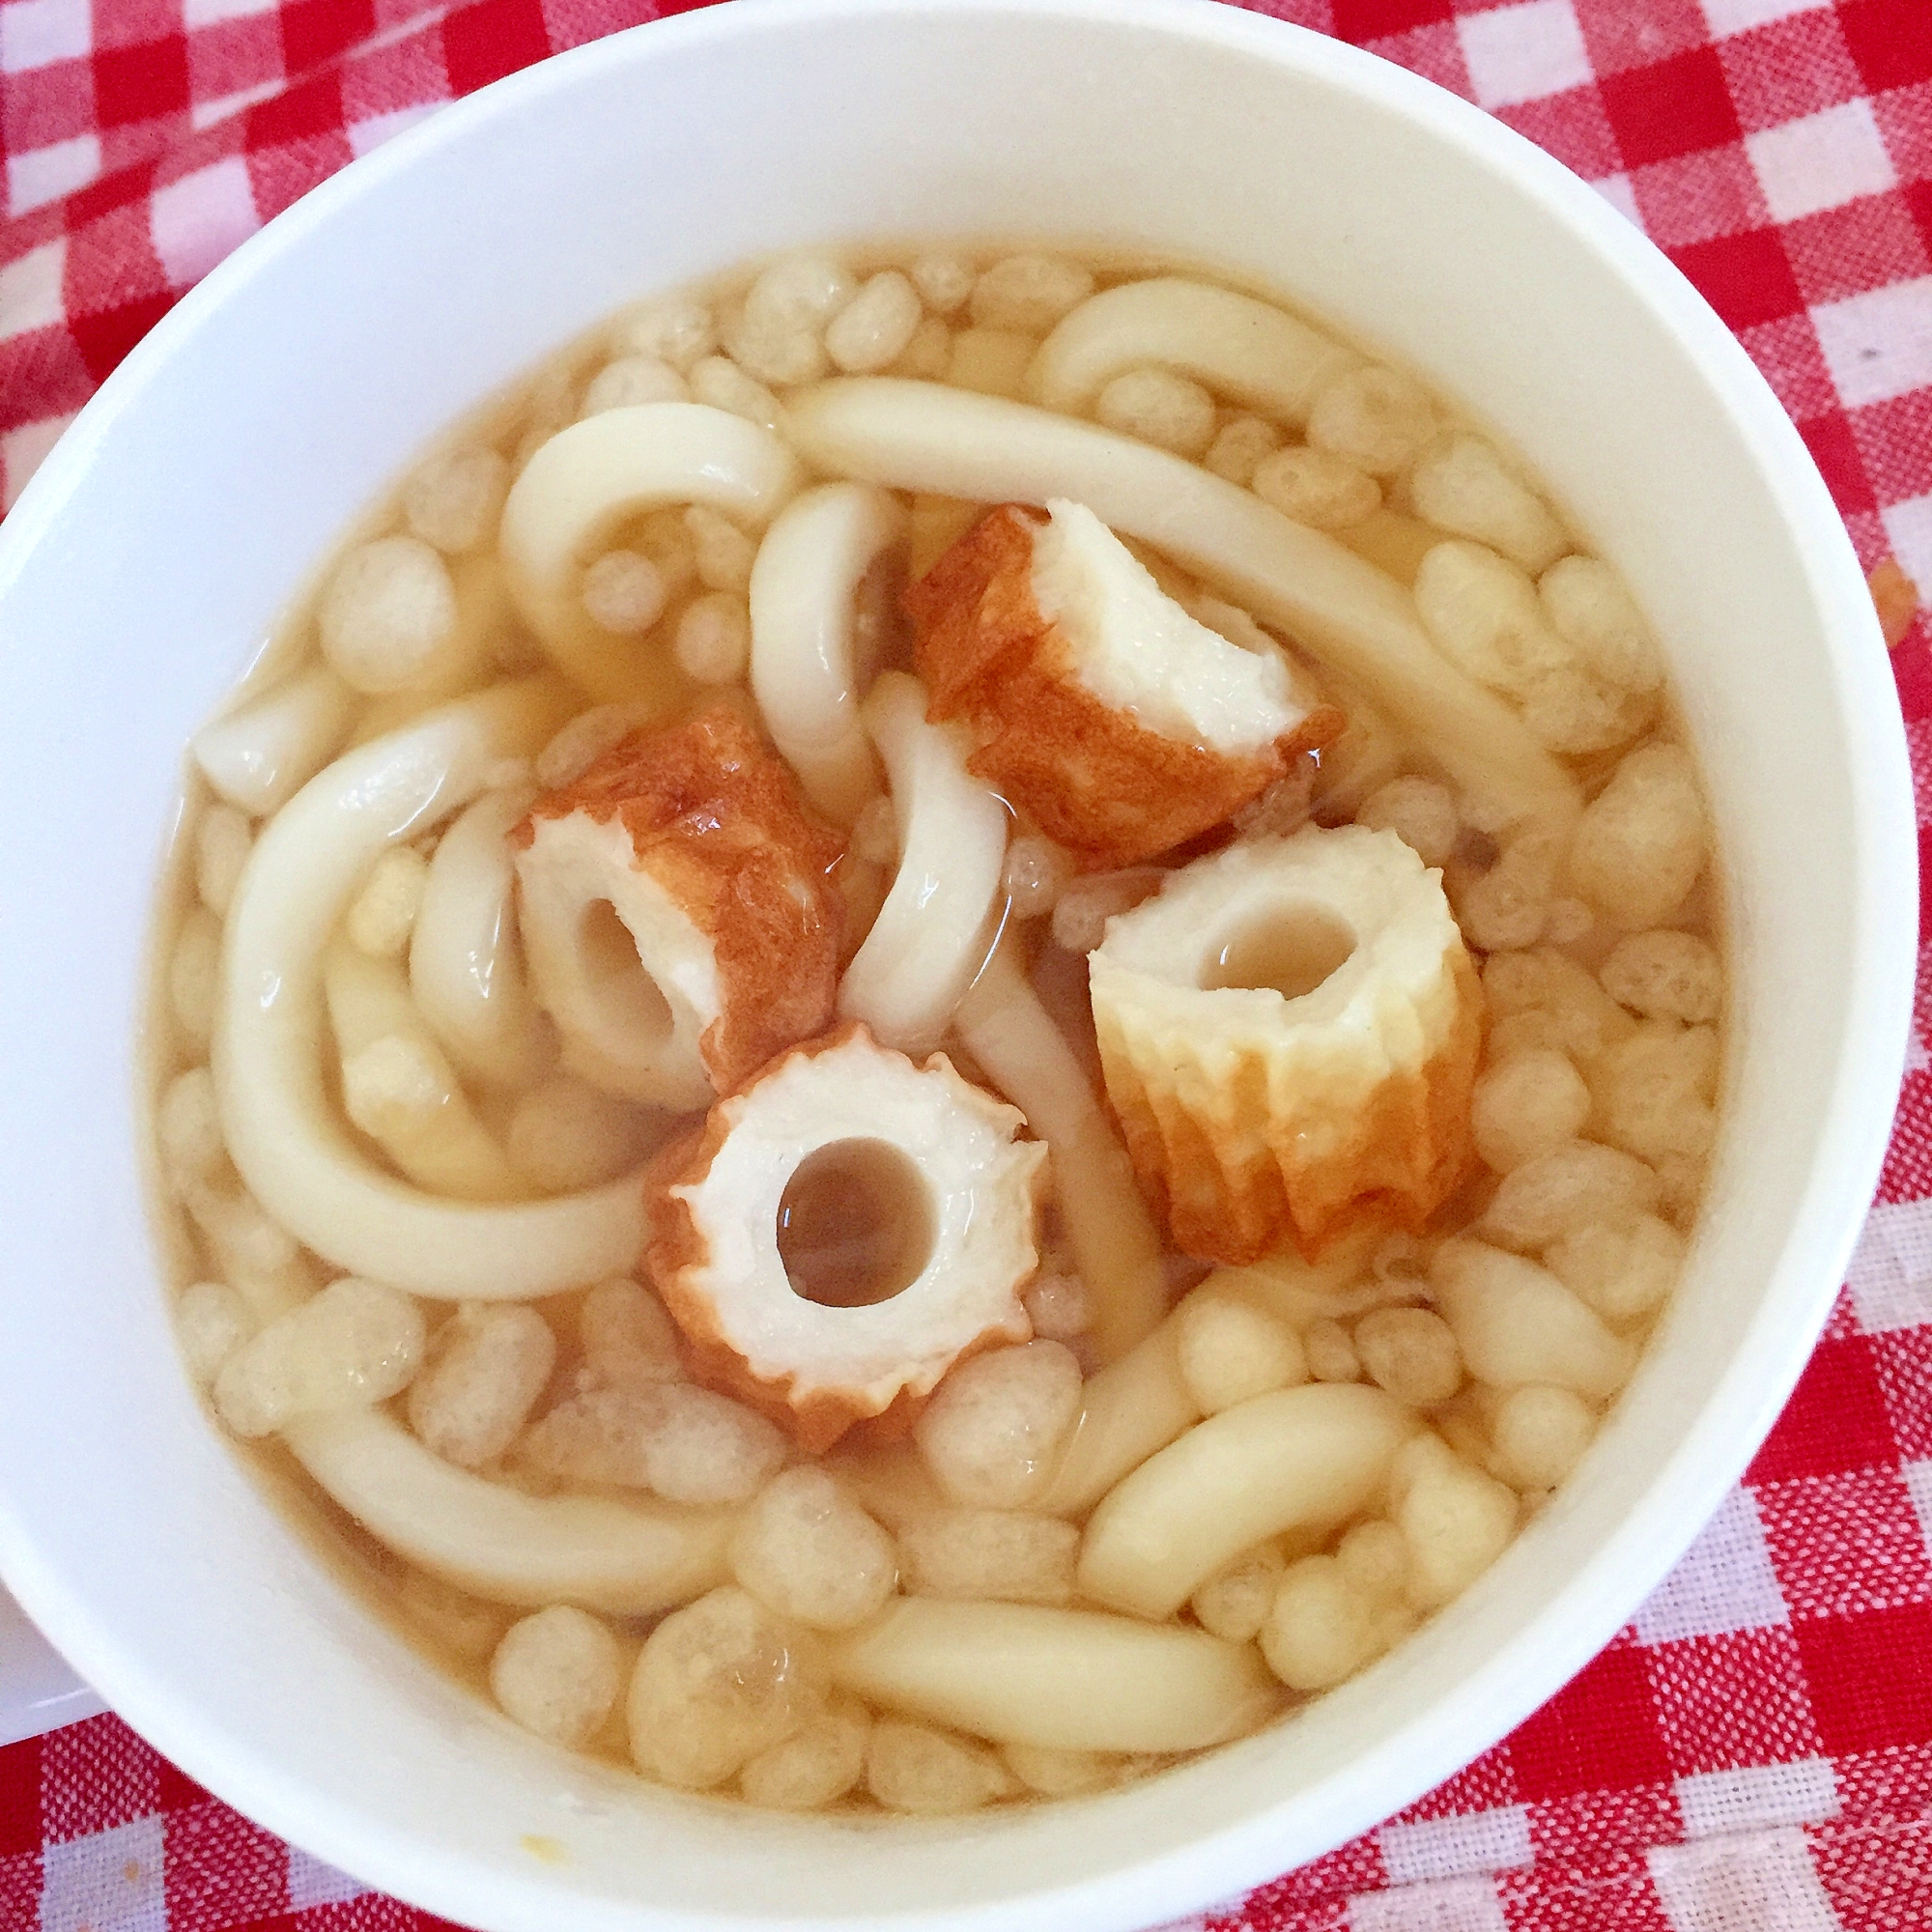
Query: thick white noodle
[
  {"x": 931, "y": 934},
  {"x": 1063, "y": 1680},
  {"x": 586, "y": 482},
  {"x": 803, "y": 672},
  {"x": 1129, "y": 1409},
  {"x": 284, "y": 1135},
  {"x": 1247, "y": 352},
  {"x": 626, "y": 1558},
  {"x": 924, "y": 436},
  {"x": 1141, "y": 1402},
  {"x": 466, "y": 957},
  {"x": 260, "y": 757},
  {"x": 1300, "y": 1459},
  {"x": 1338, "y": 1284},
  {"x": 272, "y": 1275},
  {"x": 433, "y": 1135},
  {"x": 630, "y": 1558},
  {"x": 1116, "y": 1245}
]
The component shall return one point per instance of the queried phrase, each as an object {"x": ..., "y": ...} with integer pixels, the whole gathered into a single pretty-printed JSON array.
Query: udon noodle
[{"x": 940, "y": 1029}]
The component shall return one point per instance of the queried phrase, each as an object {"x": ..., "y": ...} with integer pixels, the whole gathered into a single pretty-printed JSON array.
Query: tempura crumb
[
  {"x": 1896, "y": 597},
  {"x": 558, "y": 1674},
  {"x": 807, "y": 1551},
  {"x": 1317, "y": 486},
  {"x": 990, "y": 1431},
  {"x": 1157, "y": 406},
  {"x": 918, "y": 1768}
]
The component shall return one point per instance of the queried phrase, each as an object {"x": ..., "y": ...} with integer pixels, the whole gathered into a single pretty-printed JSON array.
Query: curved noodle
[
  {"x": 931, "y": 934},
  {"x": 922, "y": 436},
  {"x": 1140, "y": 1403},
  {"x": 1249, "y": 351},
  {"x": 1129, "y": 1409},
  {"x": 260, "y": 757},
  {"x": 256, "y": 1257},
  {"x": 630, "y": 1558},
  {"x": 465, "y": 961},
  {"x": 1115, "y": 1243},
  {"x": 1063, "y": 1680},
  {"x": 292, "y": 1151},
  {"x": 803, "y": 673},
  {"x": 588, "y": 481},
  {"x": 627, "y": 1558},
  {"x": 1300, "y": 1459},
  {"x": 398, "y": 1086}
]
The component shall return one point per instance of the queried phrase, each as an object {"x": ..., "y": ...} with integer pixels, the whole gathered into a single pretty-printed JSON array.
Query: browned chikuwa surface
[
  {"x": 1088, "y": 774},
  {"x": 1236, "y": 1189},
  {"x": 716, "y": 820}
]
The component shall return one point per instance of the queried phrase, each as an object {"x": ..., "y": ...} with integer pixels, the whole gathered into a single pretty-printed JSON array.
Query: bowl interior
[{"x": 151, "y": 558}]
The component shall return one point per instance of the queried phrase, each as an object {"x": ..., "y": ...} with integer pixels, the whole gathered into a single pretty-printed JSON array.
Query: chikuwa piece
[
  {"x": 843, "y": 1231},
  {"x": 1289, "y": 1032},
  {"x": 1121, "y": 725},
  {"x": 678, "y": 913}
]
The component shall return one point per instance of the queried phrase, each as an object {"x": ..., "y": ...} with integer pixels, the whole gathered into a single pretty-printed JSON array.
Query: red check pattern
[{"x": 1754, "y": 1752}]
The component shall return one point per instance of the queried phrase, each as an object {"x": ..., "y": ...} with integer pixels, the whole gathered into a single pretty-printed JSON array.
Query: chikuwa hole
[
  {"x": 616, "y": 975},
  {"x": 1289, "y": 949},
  {"x": 855, "y": 1225}
]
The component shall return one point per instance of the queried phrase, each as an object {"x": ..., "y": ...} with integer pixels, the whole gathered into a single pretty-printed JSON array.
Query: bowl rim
[{"x": 1854, "y": 1132}]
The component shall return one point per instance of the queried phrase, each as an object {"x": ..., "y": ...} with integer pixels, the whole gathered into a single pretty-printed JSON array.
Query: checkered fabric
[{"x": 1754, "y": 1752}]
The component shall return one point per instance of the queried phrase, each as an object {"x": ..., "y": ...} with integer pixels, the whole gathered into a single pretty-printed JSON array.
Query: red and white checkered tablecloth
[{"x": 1754, "y": 1752}]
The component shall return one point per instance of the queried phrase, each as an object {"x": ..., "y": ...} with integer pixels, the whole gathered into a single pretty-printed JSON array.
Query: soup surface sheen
[{"x": 995, "y": 1024}]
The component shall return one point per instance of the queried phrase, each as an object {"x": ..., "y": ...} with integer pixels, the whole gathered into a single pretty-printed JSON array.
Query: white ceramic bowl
[{"x": 151, "y": 555}]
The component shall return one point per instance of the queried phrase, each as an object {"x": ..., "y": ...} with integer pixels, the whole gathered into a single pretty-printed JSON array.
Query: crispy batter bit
[
  {"x": 1290, "y": 1035},
  {"x": 1117, "y": 780},
  {"x": 691, "y": 849},
  {"x": 1896, "y": 597},
  {"x": 842, "y": 1231}
]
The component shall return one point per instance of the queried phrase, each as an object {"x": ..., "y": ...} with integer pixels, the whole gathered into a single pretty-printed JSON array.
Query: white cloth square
[
  {"x": 1724, "y": 1582},
  {"x": 41, "y": 175},
  {"x": 1908, "y": 527},
  {"x": 1524, "y": 52},
  {"x": 109, "y": 1882},
  {"x": 1620, "y": 191},
  {"x": 1878, "y": 344},
  {"x": 1452, "y": 1904},
  {"x": 1918, "y": 1487},
  {"x": 196, "y": 220},
  {"x": 1754, "y": 1795},
  {"x": 1738, "y": 17},
  {"x": 365, "y": 135},
  {"x": 313, "y": 1883},
  {"x": 1890, "y": 1272},
  {"x": 1473, "y": 1841},
  {"x": 1822, "y": 161},
  {"x": 30, "y": 289},
  {"x": 37, "y": 33},
  {"x": 1763, "y": 1882}
]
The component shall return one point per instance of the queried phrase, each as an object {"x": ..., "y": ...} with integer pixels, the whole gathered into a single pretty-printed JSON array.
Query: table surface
[{"x": 1753, "y": 1753}]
